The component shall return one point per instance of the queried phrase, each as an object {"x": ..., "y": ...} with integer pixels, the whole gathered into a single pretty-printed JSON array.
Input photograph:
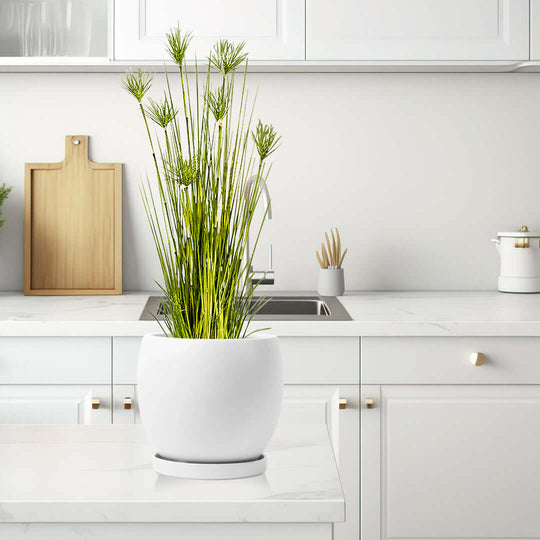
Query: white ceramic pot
[
  {"x": 331, "y": 282},
  {"x": 520, "y": 261},
  {"x": 210, "y": 400}
]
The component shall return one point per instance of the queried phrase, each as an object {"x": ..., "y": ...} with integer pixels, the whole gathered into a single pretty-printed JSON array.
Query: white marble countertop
[
  {"x": 103, "y": 474},
  {"x": 485, "y": 313}
]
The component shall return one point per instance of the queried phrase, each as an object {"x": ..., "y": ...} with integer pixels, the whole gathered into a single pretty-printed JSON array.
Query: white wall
[{"x": 418, "y": 171}]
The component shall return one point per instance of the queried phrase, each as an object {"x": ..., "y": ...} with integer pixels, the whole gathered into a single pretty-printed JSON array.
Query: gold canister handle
[{"x": 478, "y": 359}]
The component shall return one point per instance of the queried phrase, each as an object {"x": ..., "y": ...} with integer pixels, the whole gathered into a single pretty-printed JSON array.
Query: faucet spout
[
  {"x": 262, "y": 277},
  {"x": 265, "y": 194}
]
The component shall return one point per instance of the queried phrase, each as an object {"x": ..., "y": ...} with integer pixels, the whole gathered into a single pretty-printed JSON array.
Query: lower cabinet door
[
  {"x": 450, "y": 462},
  {"x": 55, "y": 404},
  {"x": 337, "y": 407}
]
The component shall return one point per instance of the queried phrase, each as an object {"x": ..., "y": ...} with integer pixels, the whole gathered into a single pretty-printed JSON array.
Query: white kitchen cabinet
[
  {"x": 535, "y": 29},
  {"x": 443, "y": 360},
  {"x": 55, "y": 404},
  {"x": 417, "y": 30},
  {"x": 54, "y": 380},
  {"x": 55, "y": 360},
  {"x": 320, "y": 403},
  {"x": 450, "y": 462},
  {"x": 449, "y": 446},
  {"x": 306, "y": 360},
  {"x": 272, "y": 29},
  {"x": 53, "y": 30}
]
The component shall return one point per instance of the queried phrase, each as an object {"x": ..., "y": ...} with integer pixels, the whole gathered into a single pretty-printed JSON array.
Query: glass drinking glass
[
  {"x": 77, "y": 21},
  {"x": 10, "y": 42},
  {"x": 40, "y": 28}
]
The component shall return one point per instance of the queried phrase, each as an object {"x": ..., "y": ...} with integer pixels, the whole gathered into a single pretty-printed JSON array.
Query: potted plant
[
  {"x": 4, "y": 192},
  {"x": 209, "y": 393}
]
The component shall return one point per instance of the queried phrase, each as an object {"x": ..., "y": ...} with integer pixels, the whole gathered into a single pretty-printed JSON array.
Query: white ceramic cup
[{"x": 331, "y": 282}]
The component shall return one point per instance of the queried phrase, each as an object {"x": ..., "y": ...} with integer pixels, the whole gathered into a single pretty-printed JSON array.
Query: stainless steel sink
[
  {"x": 280, "y": 305},
  {"x": 275, "y": 308}
]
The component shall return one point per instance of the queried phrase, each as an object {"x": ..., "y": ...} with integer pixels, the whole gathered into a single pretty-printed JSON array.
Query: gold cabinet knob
[
  {"x": 342, "y": 403},
  {"x": 478, "y": 359},
  {"x": 127, "y": 403},
  {"x": 370, "y": 403},
  {"x": 95, "y": 403}
]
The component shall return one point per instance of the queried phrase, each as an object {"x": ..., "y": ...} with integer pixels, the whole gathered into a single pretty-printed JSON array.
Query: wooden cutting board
[{"x": 73, "y": 225}]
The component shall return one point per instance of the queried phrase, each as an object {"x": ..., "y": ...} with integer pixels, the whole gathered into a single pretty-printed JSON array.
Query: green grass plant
[
  {"x": 4, "y": 192},
  {"x": 204, "y": 151}
]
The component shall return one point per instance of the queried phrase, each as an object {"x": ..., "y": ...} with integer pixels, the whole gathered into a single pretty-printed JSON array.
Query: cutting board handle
[{"x": 76, "y": 148}]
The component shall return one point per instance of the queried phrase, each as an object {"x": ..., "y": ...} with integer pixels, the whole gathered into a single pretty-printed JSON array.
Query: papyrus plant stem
[{"x": 203, "y": 153}]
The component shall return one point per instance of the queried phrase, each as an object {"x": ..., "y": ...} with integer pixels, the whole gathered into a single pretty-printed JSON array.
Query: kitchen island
[{"x": 60, "y": 481}]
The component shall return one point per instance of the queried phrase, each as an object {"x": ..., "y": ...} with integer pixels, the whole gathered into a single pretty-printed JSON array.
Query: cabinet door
[
  {"x": 535, "y": 29},
  {"x": 449, "y": 30},
  {"x": 55, "y": 404},
  {"x": 320, "y": 403},
  {"x": 455, "y": 462},
  {"x": 272, "y": 29}
]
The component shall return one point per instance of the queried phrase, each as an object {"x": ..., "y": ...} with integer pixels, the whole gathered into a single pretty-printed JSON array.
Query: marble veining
[
  {"x": 103, "y": 474},
  {"x": 433, "y": 313}
]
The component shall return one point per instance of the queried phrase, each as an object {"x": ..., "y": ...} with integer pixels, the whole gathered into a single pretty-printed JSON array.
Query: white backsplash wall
[{"x": 418, "y": 171}]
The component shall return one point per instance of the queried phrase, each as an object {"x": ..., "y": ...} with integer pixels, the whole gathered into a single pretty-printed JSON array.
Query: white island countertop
[
  {"x": 483, "y": 313},
  {"x": 104, "y": 474}
]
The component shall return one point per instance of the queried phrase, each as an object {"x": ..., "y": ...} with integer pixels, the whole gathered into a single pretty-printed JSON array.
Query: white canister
[
  {"x": 520, "y": 261},
  {"x": 331, "y": 282}
]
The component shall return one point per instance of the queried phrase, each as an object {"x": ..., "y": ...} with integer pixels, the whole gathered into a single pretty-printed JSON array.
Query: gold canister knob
[
  {"x": 370, "y": 403},
  {"x": 478, "y": 359},
  {"x": 342, "y": 403},
  {"x": 524, "y": 228},
  {"x": 95, "y": 403},
  {"x": 127, "y": 403}
]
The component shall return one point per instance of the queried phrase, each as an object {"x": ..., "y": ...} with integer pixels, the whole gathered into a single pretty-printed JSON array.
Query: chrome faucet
[{"x": 262, "y": 277}]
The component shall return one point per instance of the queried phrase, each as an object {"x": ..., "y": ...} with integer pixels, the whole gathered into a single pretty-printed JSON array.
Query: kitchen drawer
[
  {"x": 66, "y": 404},
  {"x": 55, "y": 360},
  {"x": 306, "y": 360},
  {"x": 432, "y": 360}
]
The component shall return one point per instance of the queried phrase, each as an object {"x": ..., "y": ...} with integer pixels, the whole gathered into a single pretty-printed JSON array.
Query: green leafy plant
[
  {"x": 199, "y": 212},
  {"x": 4, "y": 192}
]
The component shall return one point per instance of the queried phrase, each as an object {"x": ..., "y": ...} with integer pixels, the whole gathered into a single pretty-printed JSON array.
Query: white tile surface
[
  {"x": 486, "y": 313},
  {"x": 104, "y": 474},
  {"x": 418, "y": 170}
]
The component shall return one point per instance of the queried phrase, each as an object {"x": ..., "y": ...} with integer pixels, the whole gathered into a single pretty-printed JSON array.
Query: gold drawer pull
[
  {"x": 370, "y": 403},
  {"x": 342, "y": 403},
  {"x": 478, "y": 359},
  {"x": 127, "y": 403},
  {"x": 95, "y": 403}
]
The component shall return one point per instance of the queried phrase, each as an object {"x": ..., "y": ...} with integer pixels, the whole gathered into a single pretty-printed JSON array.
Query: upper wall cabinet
[
  {"x": 272, "y": 29},
  {"x": 280, "y": 35},
  {"x": 445, "y": 30},
  {"x": 53, "y": 29},
  {"x": 535, "y": 29}
]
